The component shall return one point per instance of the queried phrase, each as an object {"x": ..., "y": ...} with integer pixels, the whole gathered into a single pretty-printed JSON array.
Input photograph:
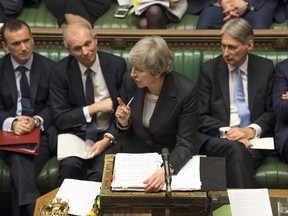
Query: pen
[{"x": 130, "y": 101}]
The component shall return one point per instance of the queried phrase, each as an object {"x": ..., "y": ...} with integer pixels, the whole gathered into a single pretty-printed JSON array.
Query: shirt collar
[
  {"x": 243, "y": 67},
  {"x": 93, "y": 67},
  {"x": 28, "y": 64}
]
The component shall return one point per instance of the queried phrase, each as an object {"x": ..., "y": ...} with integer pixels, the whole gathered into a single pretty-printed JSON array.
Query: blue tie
[
  {"x": 27, "y": 108},
  {"x": 91, "y": 132},
  {"x": 240, "y": 100}
]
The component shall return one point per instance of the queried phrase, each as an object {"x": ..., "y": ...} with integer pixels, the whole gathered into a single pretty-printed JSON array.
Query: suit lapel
[
  {"x": 223, "y": 79},
  {"x": 165, "y": 103},
  {"x": 76, "y": 83},
  {"x": 10, "y": 73},
  {"x": 253, "y": 74},
  {"x": 137, "y": 115},
  {"x": 108, "y": 76},
  {"x": 35, "y": 73}
]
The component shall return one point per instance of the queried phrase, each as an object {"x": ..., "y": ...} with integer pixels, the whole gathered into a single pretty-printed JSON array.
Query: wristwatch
[
  {"x": 36, "y": 121},
  {"x": 110, "y": 137}
]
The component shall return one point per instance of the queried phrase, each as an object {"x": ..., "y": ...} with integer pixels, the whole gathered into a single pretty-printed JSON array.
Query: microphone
[{"x": 166, "y": 164}]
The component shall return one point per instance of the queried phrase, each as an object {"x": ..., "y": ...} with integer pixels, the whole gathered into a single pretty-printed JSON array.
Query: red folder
[{"x": 27, "y": 143}]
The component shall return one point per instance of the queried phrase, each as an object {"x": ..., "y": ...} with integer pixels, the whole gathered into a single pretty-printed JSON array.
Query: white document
[
  {"x": 130, "y": 170},
  {"x": 188, "y": 178},
  {"x": 80, "y": 194},
  {"x": 141, "y": 5},
  {"x": 71, "y": 145},
  {"x": 124, "y": 2},
  {"x": 247, "y": 202},
  {"x": 263, "y": 143}
]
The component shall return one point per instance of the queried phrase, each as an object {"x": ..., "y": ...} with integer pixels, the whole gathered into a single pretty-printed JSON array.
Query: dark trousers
[
  {"x": 211, "y": 17},
  {"x": 24, "y": 171},
  {"x": 89, "y": 169},
  {"x": 241, "y": 163}
]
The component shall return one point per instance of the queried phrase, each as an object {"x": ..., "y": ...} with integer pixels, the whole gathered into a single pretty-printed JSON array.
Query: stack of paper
[
  {"x": 141, "y": 5},
  {"x": 80, "y": 194},
  {"x": 130, "y": 170}
]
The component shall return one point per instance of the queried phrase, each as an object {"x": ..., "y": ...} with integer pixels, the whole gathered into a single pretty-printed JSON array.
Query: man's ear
[
  {"x": 4, "y": 45},
  {"x": 250, "y": 45},
  {"x": 95, "y": 38}
]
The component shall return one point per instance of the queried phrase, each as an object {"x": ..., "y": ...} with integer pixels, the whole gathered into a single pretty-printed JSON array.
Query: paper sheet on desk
[
  {"x": 188, "y": 178},
  {"x": 263, "y": 143},
  {"x": 81, "y": 195},
  {"x": 139, "y": 167},
  {"x": 247, "y": 202}
]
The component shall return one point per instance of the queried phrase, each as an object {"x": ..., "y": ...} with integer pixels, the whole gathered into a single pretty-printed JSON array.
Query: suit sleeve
[
  {"x": 66, "y": 115},
  {"x": 209, "y": 124},
  {"x": 280, "y": 86},
  {"x": 187, "y": 130}
]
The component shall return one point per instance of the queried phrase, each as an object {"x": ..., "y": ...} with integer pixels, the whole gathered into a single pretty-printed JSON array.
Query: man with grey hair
[
  {"x": 84, "y": 89},
  {"x": 235, "y": 106}
]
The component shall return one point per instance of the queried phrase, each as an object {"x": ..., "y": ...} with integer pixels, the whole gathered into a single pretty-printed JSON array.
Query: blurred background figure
[
  {"x": 11, "y": 8},
  {"x": 214, "y": 13},
  {"x": 157, "y": 16},
  {"x": 72, "y": 11}
]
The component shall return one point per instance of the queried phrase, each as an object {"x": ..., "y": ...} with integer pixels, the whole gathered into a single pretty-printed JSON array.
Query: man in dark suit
[
  {"x": 74, "y": 110},
  {"x": 220, "y": 104},
  {"x": 21, "y": 118},
  {"x": 11, "y": 8},
  {"x": 281, "y": 13},
  {"x": 213, "y": 13},
  {"x": 280, "y": 103}
]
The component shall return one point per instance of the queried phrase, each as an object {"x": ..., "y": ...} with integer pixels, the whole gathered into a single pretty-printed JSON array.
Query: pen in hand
[{"x": 130, "y": 101}]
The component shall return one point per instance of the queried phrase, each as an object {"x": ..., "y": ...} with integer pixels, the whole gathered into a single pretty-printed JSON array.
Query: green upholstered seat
[{"x": 272, "y": 174}]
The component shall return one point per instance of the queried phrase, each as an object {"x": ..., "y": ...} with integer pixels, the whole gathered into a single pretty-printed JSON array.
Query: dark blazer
[
  {"x": 281, "y": 13},
  {"x": 197, "y": 6},
  {"x": 214, "y": 95},
  {"x": 280, "y": 86},
  {"x": 173, "y": 124},
  {"x": 67, "y": 94},
  {"x": 39, "y": 86}
]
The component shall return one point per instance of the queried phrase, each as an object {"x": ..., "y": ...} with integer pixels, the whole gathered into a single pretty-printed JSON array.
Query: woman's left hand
[{"x": 155, "y": 182}]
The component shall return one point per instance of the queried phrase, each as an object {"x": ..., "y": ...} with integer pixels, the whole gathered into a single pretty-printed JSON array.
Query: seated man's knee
[{"x": 71, "y": 163}]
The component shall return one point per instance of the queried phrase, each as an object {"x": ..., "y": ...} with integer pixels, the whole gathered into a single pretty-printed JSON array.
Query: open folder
[
  {"x": 27, "y": 143},
  {"x": 131, "y": 169}
]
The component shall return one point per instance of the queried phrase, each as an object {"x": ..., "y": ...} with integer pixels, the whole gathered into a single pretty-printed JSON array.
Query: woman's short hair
[
  {"x": 153, "y": 54},
  {"x": 238, "y": 28}
]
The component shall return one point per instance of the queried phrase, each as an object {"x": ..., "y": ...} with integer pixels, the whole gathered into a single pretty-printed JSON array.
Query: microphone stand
[
  {"x": 167, "y": 202},
  {"x": 168, "y": 179}
]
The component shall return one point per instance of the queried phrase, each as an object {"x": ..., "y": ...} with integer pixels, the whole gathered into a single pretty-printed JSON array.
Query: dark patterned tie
[
  {"x": 27, "y": 108},
  {"x": 91, "y": 132},
  {"x": 240, "y": 100}
]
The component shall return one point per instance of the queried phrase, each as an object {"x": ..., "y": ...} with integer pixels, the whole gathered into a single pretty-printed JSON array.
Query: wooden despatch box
[{"x": 181, "y": 203}]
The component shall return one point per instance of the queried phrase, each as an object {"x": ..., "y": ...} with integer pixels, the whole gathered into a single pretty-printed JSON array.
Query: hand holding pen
[{"x": 123, "y": 112}]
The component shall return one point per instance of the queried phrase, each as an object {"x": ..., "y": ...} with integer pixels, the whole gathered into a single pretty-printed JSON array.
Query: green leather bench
[
  {"x": 271, "y": 174},
  {"x": 40, "y": 17}
]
